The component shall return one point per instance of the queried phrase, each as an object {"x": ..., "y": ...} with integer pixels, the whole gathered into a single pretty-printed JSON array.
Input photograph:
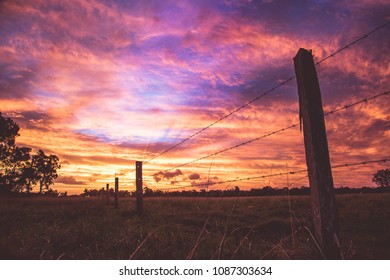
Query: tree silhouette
[
  {"x": 18, "y": 161},
  {"x": 46, "y": 169},
  {"x": 148, "y": 191},
  {"x": 13, "y": 159},
  {"x": 18, "y": 171},
  {"x": 382, "y": 178},
  {"x": 8, "y": 132},
  {"x": 29, "y": 176}
]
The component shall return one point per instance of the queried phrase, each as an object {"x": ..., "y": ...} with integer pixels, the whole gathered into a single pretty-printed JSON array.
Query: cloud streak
[
  {"x": 69, "y": 180},
  {"x": 167, "y": 175}
]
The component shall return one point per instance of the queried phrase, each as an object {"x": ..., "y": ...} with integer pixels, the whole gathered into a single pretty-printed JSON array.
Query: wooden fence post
[
  {"x": 325, "y": 214},
  {"x": 139, "y": 191},
  {"x": 116, "y": 204},
  {"x": 102, "y": 195}
]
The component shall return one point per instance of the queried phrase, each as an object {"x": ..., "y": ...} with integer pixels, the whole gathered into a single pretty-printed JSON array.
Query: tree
[
  {"x": 46, "y": 169},
  {"x": 18, "y": 171},
  {"x": 13, "y": 159},
  {"x": 148, "y": 192},
  {"x": 382, "y": 178},
  {"x": 8, "y": 131},
  {"x": 29, "y": 176},
  {"x": 18, "y": 163}
]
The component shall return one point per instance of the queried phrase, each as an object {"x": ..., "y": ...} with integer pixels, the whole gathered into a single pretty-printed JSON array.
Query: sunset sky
[{"x": 104, "y": 83}]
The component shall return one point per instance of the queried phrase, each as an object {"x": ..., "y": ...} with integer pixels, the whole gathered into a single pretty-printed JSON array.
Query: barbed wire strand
[
  {"x": 353, "y": 43},
  {"x": 345, "y": 107},
  {"x": 276, "y": 174}
]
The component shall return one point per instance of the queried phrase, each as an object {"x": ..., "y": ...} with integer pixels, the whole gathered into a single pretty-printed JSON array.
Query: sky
[{"x": 102, "y": 84}]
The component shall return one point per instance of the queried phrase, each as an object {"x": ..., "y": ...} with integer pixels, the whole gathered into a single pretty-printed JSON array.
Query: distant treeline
[
  {"x": 94, "y": 192},
  {"x": 233, "y": 192},
  {"x": 236, "y": 191},
  {"x": 48, "y": 193}
]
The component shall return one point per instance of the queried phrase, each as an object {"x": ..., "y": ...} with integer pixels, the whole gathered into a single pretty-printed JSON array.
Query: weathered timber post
[
  {"x": 325, "y": 214},
  {"x": 102, "y": 196},
  {"x": 116, "y": 203},
  {"x": 108, "y": 194},
  {"x": 139, "y": 191}
]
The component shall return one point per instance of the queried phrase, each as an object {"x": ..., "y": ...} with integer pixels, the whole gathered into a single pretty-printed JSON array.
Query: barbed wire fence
[
  {"x": 262, "y": 94},
  {"x": 209, "y": 182},
  {"x": 263, "y": 136}
]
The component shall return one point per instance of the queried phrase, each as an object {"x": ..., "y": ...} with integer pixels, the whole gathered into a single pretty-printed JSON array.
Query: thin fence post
[
  {"x": 139, "y": 191},
  {"x": 116, "y": 204},
  {"x": 108, "y": 194},
  {"x": 325, "y": 214},
  {"x": 102, "y": 195}
]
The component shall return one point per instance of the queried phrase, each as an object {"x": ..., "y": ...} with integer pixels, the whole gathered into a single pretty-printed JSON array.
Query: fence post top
[{"x": 303, "y": 51}]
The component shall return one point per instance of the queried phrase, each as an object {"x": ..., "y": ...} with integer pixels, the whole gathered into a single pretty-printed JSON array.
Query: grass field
[{"x": 187, "y": 228}]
